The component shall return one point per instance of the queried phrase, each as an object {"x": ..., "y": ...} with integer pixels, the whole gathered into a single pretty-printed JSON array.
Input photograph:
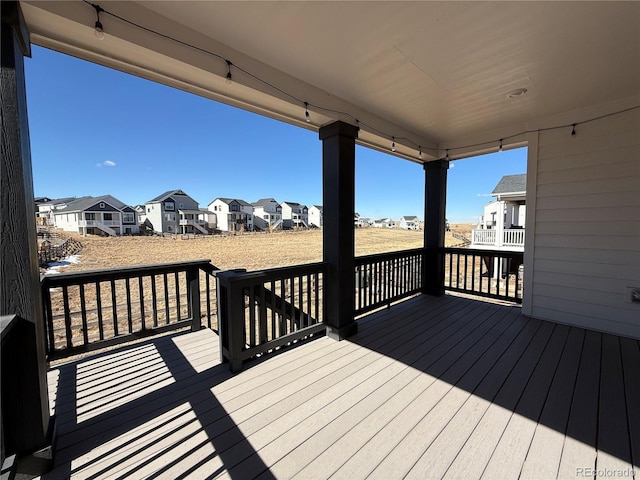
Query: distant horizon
[{"x": 120, "y": 135}]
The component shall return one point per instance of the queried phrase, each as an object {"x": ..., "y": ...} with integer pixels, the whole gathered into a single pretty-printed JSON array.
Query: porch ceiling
[{"x": 436, "y": 73}]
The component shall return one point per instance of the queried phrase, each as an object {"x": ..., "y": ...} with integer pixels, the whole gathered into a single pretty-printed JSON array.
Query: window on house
[
  {"x": 127, "y": 218},
  {"x": 107, "y": 216},
  {"x": 170, "y": 217},
  {"x": 102, "y": 205},
  {"x": 234, "y": 208},
  {"x": 148, "y": 209},
  {"x": 169, "y": 206},
  {"x": 89, "y": 216}
]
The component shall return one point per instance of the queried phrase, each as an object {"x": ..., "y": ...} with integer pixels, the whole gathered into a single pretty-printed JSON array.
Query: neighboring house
[
  {"x": 502, "y": 224},
  {"x": 175, "y": 212},
  {"x": 384, "y": 223},
  {"x": 267, "y": 214},
  {"x": 105, "y": 215},
  {"x": 231, "y": 215},
  {"x": 364, "y": 222},
  {"x": 315, "y": 216},
  {"x": 294, "y": 215},
  {"x": 410, "y": 223},
  {"x": 45, "y": 207}
]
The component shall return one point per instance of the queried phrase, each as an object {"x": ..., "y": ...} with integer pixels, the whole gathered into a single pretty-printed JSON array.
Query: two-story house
[
  {"x": 501, "y": 225},
  {"x": 295, "y": 215},
  {"x": 231, "y": 215},
  {"x": 409, "y": 222},
  {"x": 174, "y": 212},
  {"x": 267, "y": 214},
  {"x": 315, "y": 216},
  {"x": 104, "y": 215}
]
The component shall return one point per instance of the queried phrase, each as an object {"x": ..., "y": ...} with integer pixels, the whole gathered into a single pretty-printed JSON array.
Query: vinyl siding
[{"x": 587, "y": 225}]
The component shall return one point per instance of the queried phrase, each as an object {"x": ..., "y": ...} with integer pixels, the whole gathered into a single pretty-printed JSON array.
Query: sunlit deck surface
[{"x": 431, "y": 388}]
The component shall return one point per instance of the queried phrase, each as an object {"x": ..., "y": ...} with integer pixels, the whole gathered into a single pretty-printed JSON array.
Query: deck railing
[
  {"x": 512, "y": 237},
  {"x": 262, "y": 311},
  {"x": 487, "y": 273},
  {"x": 387, "y": 277},
  {"x": 89, "y": 310}
]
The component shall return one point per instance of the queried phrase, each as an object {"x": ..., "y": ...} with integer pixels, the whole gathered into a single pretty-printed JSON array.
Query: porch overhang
[{"x": 427, "y": 76}]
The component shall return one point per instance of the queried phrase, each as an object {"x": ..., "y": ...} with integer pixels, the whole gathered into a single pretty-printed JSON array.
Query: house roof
[
  {"x": 162, "y": 197},
  {"x": 228, "y": 201},
  {"x": 294, "y": 204},
  {"x": 54, "y": 201},
  {"x": 319, "y": 207},
  {"x": 263, "y": 201},
  {"x": 83, "y": 203},
  {"x": 511, "y": 184},
  {"x": 410, "y": 218}
]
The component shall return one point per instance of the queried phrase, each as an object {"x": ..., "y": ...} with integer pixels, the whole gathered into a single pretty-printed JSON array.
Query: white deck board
[{"x": 430, "y": 388}]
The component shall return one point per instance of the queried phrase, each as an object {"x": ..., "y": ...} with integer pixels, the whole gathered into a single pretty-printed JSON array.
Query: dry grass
[{"x": 253, "y": 251}]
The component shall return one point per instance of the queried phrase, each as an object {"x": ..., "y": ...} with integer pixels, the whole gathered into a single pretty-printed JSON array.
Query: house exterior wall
[
  {"x": 315, "y": 216},
  {"x": 584, "y": 242}
]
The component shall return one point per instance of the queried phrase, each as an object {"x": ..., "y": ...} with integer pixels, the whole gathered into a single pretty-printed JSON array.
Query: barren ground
[{"x": 252, "y": 251}]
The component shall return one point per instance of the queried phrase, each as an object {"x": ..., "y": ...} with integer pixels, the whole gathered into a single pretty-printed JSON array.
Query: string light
[
  {"x": 500, "y": 148},
  {"x": 446, "y": 156},
  {"x": 306, "y": 112},
  {"x": 99, "y": 32},
  {"x": 228, "y": 80}
]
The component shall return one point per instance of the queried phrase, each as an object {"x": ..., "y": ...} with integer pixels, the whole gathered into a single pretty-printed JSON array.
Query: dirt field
[{"x": 252, "y": 251}]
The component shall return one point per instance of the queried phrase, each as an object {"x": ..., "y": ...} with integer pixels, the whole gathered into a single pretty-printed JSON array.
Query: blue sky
[{"x": 96, "y": 131}]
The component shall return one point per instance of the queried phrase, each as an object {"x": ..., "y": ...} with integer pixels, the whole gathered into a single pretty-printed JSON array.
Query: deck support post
[
  {"x": 230, "y": 318},
  {"x": 28, "y": 433},
  {"x": 435, "y": 202},
  {"x": 338, "y": 236}
]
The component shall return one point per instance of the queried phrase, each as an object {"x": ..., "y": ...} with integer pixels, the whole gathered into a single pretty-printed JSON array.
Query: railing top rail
[
  {"x": 482, "y": 251},
  {"x": 74, "y": 278},
  {"x": 276, "y": 273},
  {"x": 387, "y": 255}
]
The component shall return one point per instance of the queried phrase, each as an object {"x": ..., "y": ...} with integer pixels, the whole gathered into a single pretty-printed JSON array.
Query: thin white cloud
[{"x": 106, "y": 163}]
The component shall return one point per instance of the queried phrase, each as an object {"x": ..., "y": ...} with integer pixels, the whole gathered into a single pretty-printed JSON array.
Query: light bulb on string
[
  {"x": 228, "y": 79},
  {"x": 446, "y": 156},
  {"x": 500, "y": 147},
  {"x": 573, "y": 129},
  {"x": 306, "y": 112},
  {"x": 393, "y": 144},
  {"x": 420, "y": 152},
  {"x": 98, "y": 29}
]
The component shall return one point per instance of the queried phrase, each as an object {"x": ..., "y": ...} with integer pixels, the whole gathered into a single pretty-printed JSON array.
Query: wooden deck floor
[{"x": 432, "y": 388}]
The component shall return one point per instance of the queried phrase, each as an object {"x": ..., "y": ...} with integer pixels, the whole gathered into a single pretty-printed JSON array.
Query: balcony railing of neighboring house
[
  {"x": 191, "y": 221},
  {"x": 89, "y": 310},
  {"x": 511, "y": 238},
  {"x": 385, "y": 278},
  {"x": 486, "y": 273},
  {"x": 265, "y": 310}
]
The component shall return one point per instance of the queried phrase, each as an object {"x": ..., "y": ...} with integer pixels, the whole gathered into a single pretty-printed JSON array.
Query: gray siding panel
[{"x": 587, "y": 225}]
